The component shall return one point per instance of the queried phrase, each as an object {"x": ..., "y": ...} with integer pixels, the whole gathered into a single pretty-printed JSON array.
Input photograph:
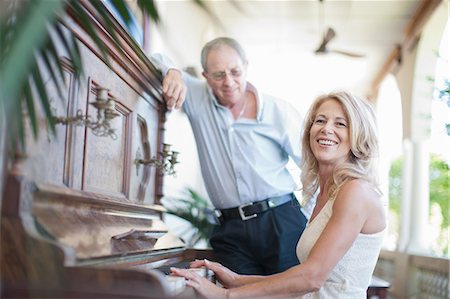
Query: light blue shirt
[{"x": 243, "y": 160}]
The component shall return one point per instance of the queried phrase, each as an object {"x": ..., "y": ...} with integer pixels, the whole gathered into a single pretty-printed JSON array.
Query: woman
[{"x": 341, "y": 243}]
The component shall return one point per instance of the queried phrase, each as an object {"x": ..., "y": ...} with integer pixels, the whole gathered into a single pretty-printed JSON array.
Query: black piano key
[{"x": 166, "y": 268}]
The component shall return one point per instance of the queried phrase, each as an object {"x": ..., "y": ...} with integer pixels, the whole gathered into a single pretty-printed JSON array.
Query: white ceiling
[{"x": 288, "y": 32}]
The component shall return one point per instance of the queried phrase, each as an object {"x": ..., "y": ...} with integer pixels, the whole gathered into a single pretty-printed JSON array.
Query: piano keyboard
[
  {"x": 178, "y": 284},
  {"x": 166, "y": 268}
]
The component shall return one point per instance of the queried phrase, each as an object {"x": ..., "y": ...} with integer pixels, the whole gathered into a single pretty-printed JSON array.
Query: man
[{"x": 244, "y": 139}]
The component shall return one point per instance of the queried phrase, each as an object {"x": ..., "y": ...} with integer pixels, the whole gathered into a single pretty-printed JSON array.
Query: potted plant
[{"x": 197, "y": 211}]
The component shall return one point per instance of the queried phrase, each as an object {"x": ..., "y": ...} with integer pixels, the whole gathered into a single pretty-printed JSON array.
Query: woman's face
[{"x": 329, "y": 134}]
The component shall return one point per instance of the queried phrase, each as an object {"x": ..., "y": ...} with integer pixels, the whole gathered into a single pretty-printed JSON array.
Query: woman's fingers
[
  {"x": 191, "y": 275},
  {"x": 198, "y": 263}
]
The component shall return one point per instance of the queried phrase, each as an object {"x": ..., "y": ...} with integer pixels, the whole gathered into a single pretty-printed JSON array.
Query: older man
[{"x": 244, "y": 139}]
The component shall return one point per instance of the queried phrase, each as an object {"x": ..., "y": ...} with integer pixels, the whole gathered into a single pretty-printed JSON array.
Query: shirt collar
[
  {"x": 259, "y": 100},
  {"x": 252, "y": 89}
]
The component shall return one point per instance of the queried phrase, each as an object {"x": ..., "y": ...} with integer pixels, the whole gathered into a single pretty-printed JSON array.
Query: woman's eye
[
  {"x": 340, "y": 124},
  {"x": 319, "y": 121}
]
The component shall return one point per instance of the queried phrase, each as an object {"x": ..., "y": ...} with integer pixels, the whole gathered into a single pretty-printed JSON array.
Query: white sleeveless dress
[{"x": 352, "y": 274}]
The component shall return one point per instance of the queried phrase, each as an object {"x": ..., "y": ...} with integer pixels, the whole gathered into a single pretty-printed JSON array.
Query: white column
[
  {"x": 420, "y": 199},
  {"x": 405, "y": 211}
]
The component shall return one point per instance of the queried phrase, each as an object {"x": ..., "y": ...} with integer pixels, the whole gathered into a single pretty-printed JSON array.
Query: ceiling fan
[{"x": 328, "y": 35}]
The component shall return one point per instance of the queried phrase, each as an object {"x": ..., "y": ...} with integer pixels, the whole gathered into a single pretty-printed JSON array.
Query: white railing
[{"x": 414, "y": 276}]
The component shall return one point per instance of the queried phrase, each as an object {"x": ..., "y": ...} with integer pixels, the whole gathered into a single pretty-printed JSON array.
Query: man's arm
[
  {"x": 173, "y": 86},
  {"x": 174, "y": 89},
  {"x": 293, "y": 124}
]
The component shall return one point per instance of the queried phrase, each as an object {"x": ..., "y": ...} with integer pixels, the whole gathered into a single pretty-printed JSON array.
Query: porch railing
[{"x": 414, "y": 276}]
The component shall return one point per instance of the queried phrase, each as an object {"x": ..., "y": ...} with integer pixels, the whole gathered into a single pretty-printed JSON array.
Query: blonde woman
[{"x": 342, "y": 240}]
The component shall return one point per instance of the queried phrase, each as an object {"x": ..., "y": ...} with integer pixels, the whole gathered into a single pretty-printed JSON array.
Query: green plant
[
  {"x": 195, "y": 210},
  {"x": 439, "y": 179},
  {"x": 395, "y": 185},
  {"x": 442, "y": 94}
]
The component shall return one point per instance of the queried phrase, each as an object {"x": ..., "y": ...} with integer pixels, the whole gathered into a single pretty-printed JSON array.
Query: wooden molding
[
  {"x": 412, "y": 32},
  {"x": 126, "y": 60}
]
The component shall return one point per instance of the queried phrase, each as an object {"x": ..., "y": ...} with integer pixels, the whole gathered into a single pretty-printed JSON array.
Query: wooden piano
[
  {"x": 80, "y": 217},
  {"x": 59, "y": 243}
]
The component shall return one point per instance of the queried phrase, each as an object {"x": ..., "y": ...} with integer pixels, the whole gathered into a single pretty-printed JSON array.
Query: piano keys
[{"x": 61, "y": 243}]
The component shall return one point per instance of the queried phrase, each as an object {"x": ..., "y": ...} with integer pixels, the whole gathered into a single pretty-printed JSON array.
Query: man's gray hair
[{"x": 217, "y": 43}]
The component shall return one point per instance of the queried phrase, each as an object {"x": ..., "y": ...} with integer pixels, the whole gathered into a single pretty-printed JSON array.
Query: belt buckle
[
  {"x": 242, "y": 213},
  {"x": 218, "y": 216}
]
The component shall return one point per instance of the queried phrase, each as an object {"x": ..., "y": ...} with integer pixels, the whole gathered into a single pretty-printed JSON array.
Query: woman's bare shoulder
[
  {"x": 359, "y": 190},
  {"x": 362, "y": 198}
]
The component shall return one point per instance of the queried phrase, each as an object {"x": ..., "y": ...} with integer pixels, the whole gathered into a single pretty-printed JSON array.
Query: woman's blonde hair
[{"x": 363, "y": 146}]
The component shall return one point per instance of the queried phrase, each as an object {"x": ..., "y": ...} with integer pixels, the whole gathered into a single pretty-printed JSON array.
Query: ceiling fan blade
[
  {"x": 328, "y": 36},
  {"x": 347, "y": 53}
]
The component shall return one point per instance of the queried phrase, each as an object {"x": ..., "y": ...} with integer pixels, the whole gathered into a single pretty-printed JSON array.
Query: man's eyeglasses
[{"x": 219, "y": 76}]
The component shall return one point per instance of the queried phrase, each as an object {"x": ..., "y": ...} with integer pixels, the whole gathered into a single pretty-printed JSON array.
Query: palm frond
[
  {"x": 148, "y": 6},
  {"x": 23, "y": 33},
  {"x": 123, "y": 10},
  {"x": 30, "y": 108},
  {"x": 40, "y": 86},
  {"x": 48, "y": 66},
  {"x": 192, "y": 209},
  {"x": 81, "y": 15},
  {"x": 28, "y": 36}
]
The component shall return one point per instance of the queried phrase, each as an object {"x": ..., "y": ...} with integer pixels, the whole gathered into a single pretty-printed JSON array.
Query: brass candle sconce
[
  {"x": 167, "y": 162},
  {"x": 105, "y": 113}
]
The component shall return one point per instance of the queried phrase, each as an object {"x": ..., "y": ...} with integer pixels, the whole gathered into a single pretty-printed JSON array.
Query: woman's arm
[
  {"x": 352, "y": 209},
  {"x": 225, "y": 276},
  {"x": 354, "y": 206}
]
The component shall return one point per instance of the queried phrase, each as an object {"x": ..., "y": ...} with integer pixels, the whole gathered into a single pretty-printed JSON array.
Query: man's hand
[{"x": 174, "y": 89}]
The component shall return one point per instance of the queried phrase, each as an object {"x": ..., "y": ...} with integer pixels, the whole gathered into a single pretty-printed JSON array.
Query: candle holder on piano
[
  {"x": 105, "y": 113},
  {"x": 167, "y": 162}
]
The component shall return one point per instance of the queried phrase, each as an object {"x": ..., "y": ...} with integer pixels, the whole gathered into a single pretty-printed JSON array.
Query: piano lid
[{"x": 100, "y": 229}]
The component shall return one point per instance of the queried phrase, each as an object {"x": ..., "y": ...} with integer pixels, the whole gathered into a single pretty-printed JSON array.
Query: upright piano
[{"x": 80, "y": 212}]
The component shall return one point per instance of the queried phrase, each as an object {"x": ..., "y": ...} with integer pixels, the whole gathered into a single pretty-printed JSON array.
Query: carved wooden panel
[
  {"x": 145, "y": 141},
  {"x": 78, "y": 159},
  {"x": 108, "y": 165},
  {"x": 143, "y": 150},
  {"x": 107, "y": 160},
  {"x": 50, "y": 157}
]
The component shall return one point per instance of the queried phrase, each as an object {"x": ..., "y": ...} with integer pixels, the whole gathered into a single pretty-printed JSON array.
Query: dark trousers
[{"x": 263, "y": 245}]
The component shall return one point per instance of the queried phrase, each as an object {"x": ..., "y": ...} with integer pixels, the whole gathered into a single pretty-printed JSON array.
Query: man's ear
[{"x": 204, "y": 74}]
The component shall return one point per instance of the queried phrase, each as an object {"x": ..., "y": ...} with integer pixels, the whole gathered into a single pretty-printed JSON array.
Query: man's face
[{"x": 226, "y": 75}]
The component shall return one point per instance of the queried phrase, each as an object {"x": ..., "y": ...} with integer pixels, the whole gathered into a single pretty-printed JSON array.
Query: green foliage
[
  {"x": 23, "y": 34},
  {"x": 194, "y": 209},
  {"x": 25, "y": 31},
  {"x": 440, "y": 186},
  {"x": 439, "y": 179},
  {"x": 395, "y": 185},
  {"x": 442, "y": 94}
]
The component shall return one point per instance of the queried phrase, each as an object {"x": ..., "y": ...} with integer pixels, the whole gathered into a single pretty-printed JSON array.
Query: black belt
[{"x": 251, "y": 210}]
